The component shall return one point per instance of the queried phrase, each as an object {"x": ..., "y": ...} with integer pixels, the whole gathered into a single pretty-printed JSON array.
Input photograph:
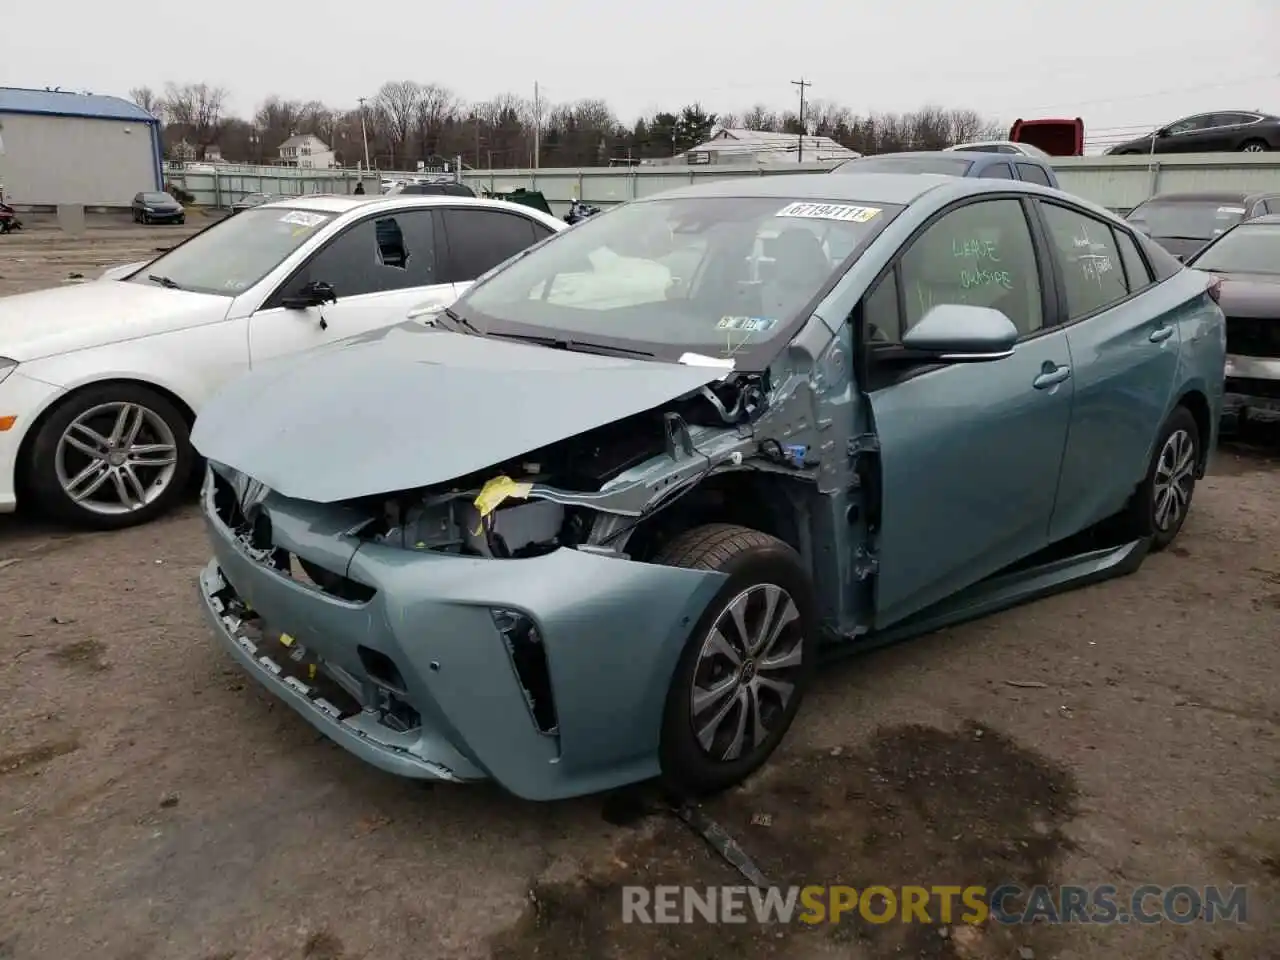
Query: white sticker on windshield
[
  {"x": 1231, "y": 209},
  {"x": 829, "y": 211},
  {"x": 302, "y": 219}
]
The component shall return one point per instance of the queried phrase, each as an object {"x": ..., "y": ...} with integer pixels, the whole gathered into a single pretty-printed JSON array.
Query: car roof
[
  {"x": 898, "y": 188},
  {"x": 340, "y": 203},
  {"x": 1203, "y": 196}
]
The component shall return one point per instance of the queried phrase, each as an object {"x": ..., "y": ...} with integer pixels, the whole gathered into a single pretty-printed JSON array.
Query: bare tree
[
  {"x": 196, "y": 108},
  {"x": 437, "y": 107},
  {"x": 761, "y": 118},
  {"x": 397, "y": 106},
  {"x": 146, "y": 98}
]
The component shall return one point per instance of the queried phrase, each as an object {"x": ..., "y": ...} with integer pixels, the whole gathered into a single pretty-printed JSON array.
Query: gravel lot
[{"x": 154, "y": 803}]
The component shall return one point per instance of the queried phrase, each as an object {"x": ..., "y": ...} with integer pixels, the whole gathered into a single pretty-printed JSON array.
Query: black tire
[
  {"x": 752, "y": 561},
  {"x": 41, "y": 471},
  {"x": 146, "y": 219},
  {"x": 181, "y": 221},
  {"x": 1142, "y": 515},
  {"x": 1254, "y": 146}
]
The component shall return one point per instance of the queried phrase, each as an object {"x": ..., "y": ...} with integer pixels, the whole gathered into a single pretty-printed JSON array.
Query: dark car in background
[
  {"x": 437, "y": 189},
  {"x": 1247, "y": 259},
  {"x": 1182, "y": 223},
  {"x": 157, "y": 207},
  {"x": 1245, "y": 131},
  {"x": 955, "y": 163},
  {"x": 251, "y": 200}
]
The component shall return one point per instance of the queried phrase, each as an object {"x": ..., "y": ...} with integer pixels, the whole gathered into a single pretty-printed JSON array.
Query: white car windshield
[
  {"x": 231, "y": 256},
  {"x": 711, "y": 275},
  {"x": 1249, "y": 248}
]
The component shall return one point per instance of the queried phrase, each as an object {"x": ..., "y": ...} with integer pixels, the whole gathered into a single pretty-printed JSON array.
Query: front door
[
  {"x": 969, "y": 451},
  {"x": 1125, "y": 346},
  {"x": 380, "y": 268}
]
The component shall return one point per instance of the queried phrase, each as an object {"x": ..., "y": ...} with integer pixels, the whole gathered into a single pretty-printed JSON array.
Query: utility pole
[
  {"x": 364, "y": 131},
  {"x": 537, "y": 125},
  {"x": 802, "y": 83}
]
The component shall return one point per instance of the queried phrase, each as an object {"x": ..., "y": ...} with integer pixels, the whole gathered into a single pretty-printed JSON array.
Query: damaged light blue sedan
[{"x": 597, "y": 522}]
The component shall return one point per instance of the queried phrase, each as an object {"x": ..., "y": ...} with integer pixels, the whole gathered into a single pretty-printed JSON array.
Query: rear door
[
  {"x": 380, "y": 268},
  {"x": 1125, "y": 352},
  {"x": 479, "y": 238},
  {"x": 969, "y": 452}
]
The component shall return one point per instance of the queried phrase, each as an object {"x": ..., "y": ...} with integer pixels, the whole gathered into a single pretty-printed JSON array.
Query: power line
[
  {"x": 803, "y": 84},
  {"x": 1129, "y": 98}
]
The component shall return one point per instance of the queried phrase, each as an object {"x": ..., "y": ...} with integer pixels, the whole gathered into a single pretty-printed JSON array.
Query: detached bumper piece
[{"x": 386, "y": 733}]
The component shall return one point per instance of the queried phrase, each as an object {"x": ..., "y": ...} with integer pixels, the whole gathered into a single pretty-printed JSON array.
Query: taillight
[{"x": 1215, "y": 288}]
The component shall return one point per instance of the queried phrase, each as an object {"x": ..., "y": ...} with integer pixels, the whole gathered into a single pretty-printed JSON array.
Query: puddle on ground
[{"x": 916, "y": 805}]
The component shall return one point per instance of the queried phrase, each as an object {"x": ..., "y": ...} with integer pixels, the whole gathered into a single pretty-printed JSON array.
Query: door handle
[
  {"x": 1161, "y": 334},
  {"x": 1051, "y": 378}
]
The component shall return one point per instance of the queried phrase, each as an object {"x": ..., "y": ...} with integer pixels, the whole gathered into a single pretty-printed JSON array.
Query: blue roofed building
[{"x": 57, "y": 146}]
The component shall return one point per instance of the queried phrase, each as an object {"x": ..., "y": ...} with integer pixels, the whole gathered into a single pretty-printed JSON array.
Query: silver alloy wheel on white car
[
  {"x": 741, "y": 680},
  {"x": 116, "y": 458},
  {"x": 1174, "y": 479}
]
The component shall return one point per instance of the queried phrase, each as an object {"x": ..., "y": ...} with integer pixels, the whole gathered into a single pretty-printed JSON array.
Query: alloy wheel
[
  {"x": 1253, "y": 148},
  {"x": 116, "y": 458},
  {"x": 744, "y": 677},
  {"x": 1174, "y": 479}
]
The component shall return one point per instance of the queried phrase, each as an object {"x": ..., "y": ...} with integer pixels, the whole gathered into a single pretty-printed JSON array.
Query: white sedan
[{"x": 100, "y": 382}]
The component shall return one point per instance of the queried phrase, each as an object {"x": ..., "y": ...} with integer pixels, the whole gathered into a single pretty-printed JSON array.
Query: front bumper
[
  {"x": 612, "y": 631},
  {"x": 24, "y": 399},
  {"x": 1252, "y": 390}
]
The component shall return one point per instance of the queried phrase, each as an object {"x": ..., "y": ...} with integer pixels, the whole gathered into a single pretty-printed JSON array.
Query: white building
[
  {"x": 306, "y": 150},
  {"x": 762, "y": 147},
  {"x": 62, "y": 147}
]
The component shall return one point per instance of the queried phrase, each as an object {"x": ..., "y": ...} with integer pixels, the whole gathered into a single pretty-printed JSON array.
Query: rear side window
[
  {"x": 1136, "y": 272},
  {"x": 1273, "y": 205},
  {"x": 481, "y": 239},
  {"x": 1163, "y": 264},
  {"x": 1034, "y": 173},
  {"x": 998, "y": 171},
  {"x": 1088, "y": 262}
]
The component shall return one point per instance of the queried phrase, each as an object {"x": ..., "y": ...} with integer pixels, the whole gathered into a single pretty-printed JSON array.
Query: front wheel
[
  {"x": 748, "y": 661},
  {"x": 111, "y": 456},
  {"x": 1159, "y": 507}
]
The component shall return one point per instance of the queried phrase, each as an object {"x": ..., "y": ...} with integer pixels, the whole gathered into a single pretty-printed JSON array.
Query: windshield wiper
[
  {"x": 167, "y": 282},
  {"x": 574, "y": 346},
  {"x": 460, "y": 322}
]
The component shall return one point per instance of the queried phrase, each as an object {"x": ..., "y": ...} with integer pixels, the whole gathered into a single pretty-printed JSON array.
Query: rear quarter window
[
  {"x": 1163, "y": 264},
  {"x": 1034, "y": 173}
]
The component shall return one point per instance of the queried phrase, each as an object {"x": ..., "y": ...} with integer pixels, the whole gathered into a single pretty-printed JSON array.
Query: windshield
[
  {"x": 234, "y": 254},
  {"x": 1186, "y": 219},
  {"x": 1250, "y": 248},
  {"x": 951, "y": 166},
  {"x": 157, "y": 198},
  {"x": 712, "y": 275}
]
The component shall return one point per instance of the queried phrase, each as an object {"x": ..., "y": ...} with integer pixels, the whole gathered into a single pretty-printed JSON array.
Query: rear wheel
[
  {"x": 747, "y": 664},
  {"x": 111, "y": 456},
  {"x": 1159, "y": 507},
  {"x": 1254, "y": 146}
]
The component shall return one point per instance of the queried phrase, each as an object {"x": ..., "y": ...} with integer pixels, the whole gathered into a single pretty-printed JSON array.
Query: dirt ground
[{"x": 155, "y": 803}]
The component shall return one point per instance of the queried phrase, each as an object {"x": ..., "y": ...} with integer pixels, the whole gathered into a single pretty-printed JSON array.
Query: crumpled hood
[
  {"x": 82, "y": 315},
  {"x": 411, "y": 406}
]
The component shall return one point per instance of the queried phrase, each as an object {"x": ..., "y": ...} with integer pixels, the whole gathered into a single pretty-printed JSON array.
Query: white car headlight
[{"x": 7, "y": 367}]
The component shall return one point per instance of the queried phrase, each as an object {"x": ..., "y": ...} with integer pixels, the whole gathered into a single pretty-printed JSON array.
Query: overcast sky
[{"x": 1120, "y": 64}]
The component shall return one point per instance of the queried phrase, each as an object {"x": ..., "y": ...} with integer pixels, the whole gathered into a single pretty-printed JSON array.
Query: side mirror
[
  {"x": 957, "y": 332},
  {"x": 313, "y": 294}
]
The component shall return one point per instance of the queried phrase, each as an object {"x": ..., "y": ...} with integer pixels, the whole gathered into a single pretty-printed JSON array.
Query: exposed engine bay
[{"x": 592, "y": 490}]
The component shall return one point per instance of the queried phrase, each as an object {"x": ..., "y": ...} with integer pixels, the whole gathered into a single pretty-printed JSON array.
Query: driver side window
[{"x": 979, "y": 255}]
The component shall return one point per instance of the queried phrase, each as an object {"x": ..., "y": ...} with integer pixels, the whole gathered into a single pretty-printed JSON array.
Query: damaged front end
[
  {"x": 508, "y": 623},
  {"x": 590, "y": 492}
]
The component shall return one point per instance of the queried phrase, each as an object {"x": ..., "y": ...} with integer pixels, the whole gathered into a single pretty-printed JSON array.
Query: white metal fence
[{"x": 1116, "y": 182}]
